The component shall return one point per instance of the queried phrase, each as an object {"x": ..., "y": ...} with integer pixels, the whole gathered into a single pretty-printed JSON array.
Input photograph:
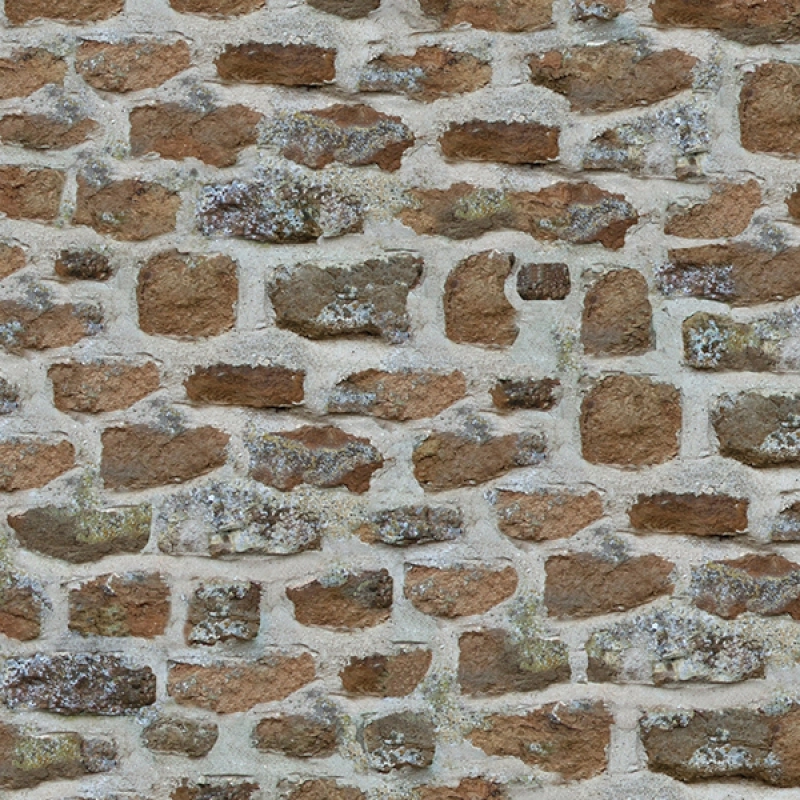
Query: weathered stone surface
[
  {"x": 130, "y": 66},
  {"x": 504, "y": 142},
  {"x": 583, "y": 10},
  {"x": 222, "y": 610},
  {"x": 78, "y": 534},
  {"x": 612, "y": 76},
  {"x": 31, "y": 463},
  {"x": 450, "y": 460},
  {"x": 630, "y": 421},
  {"x": 228, "y": 687},
  {"x": 727, "y": 212},
  {"x": 349, "y": 9},
  {"x": 476, "y": 310},
  {"x": 325, "y": 789},
  {"x": 509, "y": 394},
  {"x": 180, "y": 736},
  {"x": 568, "y": 738},
  {"x": 426, "y": 75},
  {"x": 543, "y": 281},
  {"x": 217, "y": 8},
  {"x": 30, "y": 193},
  {"x": 180, "y": 294},
  {"x": 129, "y": 210},
  {"x": 41, "y": 132},
  {"x": 174, "y": 131},
  {"x": 20, "y": 608},
  {"x": 467, "y": 789},
  {"x": 397, "y": 395},
  {"x": 18, "y": 12},
  {"x": 102, "y": 385},
  {"x": 492, "y": 662},
  {"x": 214, "y": 788},
  {"x": 690, "y": 514},
  {"x": 400, "y": 740},
  {"x": 344, "y": 601},
  {"x": 793, "y": 204},
  {"x": 582, "y": 584},
  {"x": 12, "y": 259},
  {"x": 28, "y": 69},
  {"x": 511, "y": 16},
  {"x": 83, "y": 265},
  {"x": 580, "y": 213},
  {"x": 285, "y": 65},
  {"x": 28, "y": 759},
  {"x": 617, "y": 316},
  {"x": 458, "y": 591},
  {"x": 768, "y": 109},
  {"x": 9, "y": 397},
  {"x": 410, "y": 525},
  {"x": 297, "y": 736},
  {"x": 674, "y": 645},
  {"x": 39, "y": 324},
  {"x": 349, "y": 134},
  {"x": 546, "y": 515},
  {"x": 786, "y": 527},
  {"x": 366, "y": 299},
  {"x": 130, "y": 604},
  {"x": 379, "y": 675},
  {"x": 319, "y": 456},
  {"x": 244, "y": 385},
  {"x": 77, "y": 683}
]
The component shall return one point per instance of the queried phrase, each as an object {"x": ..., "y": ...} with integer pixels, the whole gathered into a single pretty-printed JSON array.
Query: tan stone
[
  {"x": 769, "y": 109},
  {"x": 379, "y": 675},
  {"x": 284, "y": 65},
  {"x": 20, "y": 608},
  {"x": 511, "y": 16},
  {"x": 30, "y": 193},
  {"x": 256, "y": 387},
  {"x": 690, "y": 514},
  {"x": 40, "y": 327},
  {"x": 28, "y": 69},
  {"x": 217, "y": 8},
  {"x": 325, "y": 789},
  {"x": 179, "y": 736},
  {"x": 504, "y": 142},
  {"x": 101, "y": 386},
  {"x": 12, "y": 259},
  {"x": 467, "y": 789},
  {"x": 296, "y": 736},
  {"x": 546, "y": 515},
  {"x": 458, "y": 591},
  {"x": 40, "y": 132},
  {"x": 31, "y": 463},
  {"x": 19, "y": 12},
  {"x": 727, "y": 212}
]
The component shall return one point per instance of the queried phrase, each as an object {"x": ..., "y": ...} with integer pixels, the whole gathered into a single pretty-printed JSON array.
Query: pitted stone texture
[
  {"x": 786, "y": 527},
  {"x": 510, "y": 394},
  {"x": 344, "y": 602},
  {"x": 509, "y": 16},
  {"x": 180, "y": 736},
  {"x": 547, "y": 514},
  {"x": 400, "y": 740},
  {"x": 543, "y": 281},
  {"x": 426, "y": 75},
  {"x": 583, "y": 10},
  {"x": 349, "y": 9},
  {"x": 20, "y": 608},
  {"x": 12, "y": 259},
  {"x": 83, "y": 265},
  {"x": 228, "y": 687},
  {"x": 19, "y": 12},
  {"x": 213, "y": 788},
  {"x": 101, "y": 386},
  {"x": 570, "y": 738},
  {"x": 42, "y": 132},
  {"x": 221, "y": 611},
  {"x": 468, "y": 789},
  {"x": 297, "y": 736},
  {"x": 325, "y": 789},
  {"x": 395, "y": 675},
  {"x": 28, "y": 69},
  {"x": 716, "y": 342},
  {"x": 9, "y": 397},
  {"x": 727, "y": 212},
  {"x": 31, "y": 463},
  {"x": 630, "y": 421},
  {"x": 503, "y": 142},
  {"x": 77, "y": 683},
  {"x": 366, "y": 299},
  {"x": 492, "y": 662},
  {"x": 412, "y": 525},
  {"x": 243, "y": 385},
  {"x": 217, "y": 8},
  {"x": 690, "y": 514},
  {"x": 284, "y": 65},
  {"x": 41, "y": 325},
  {"x": 30, "y": 193}
]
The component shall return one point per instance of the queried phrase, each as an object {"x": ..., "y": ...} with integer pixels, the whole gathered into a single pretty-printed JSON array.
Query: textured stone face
[
  {"x": 411, "y": 525},
  {"x": 28, "y": 69},
  {"x": 220, "y": 611},
  {"x": 21, "y": 11},
  {"x": 83, "y": 265},
  {"x": 296, "y": 736},
  {"x": 257, "y": 387},
  {"x": 504, "y": 142},
  {"x": 786, "y": 527},
  {"x": 30, "y": 463},
  {"x": 400, "y": 740},
  {"x": 386, "y": 675},
  {"x": 546, "y": 515},
  {"x": 30, "y": 193},
  {"x": 541, "y": 395},
  {"x": 727, "y": 212},
  {"x": 325, "y": 789},
  {"x": 40, "y": 132},
  {"x": 690, "y": 514},
  {"x": 506, "y": 15},
  {"x": 215, "y": 789},
  {"x": 179, "y": 736},
  {"x": 285, "y": 65},
  {"x": 543, "y": 281},
  {"x": 101, "y": 386},
  {"x": 40, "y": 326},
  {"x": 469, "y": 788},
  {"x": 12, "y": 258},
  {"x": 349, "y": 9},
  {"x": 20, "y": 608}
]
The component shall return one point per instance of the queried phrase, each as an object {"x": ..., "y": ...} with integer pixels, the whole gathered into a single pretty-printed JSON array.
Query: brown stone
[
  {"x": 40, "y": 326},
  {"x": 185, "y": 295},
  {"x": 583, "y": 10},
  {"x": 12, "y": 259},
  {"x": 31, "y": 463},
  {"x": 40, "y": 132},
  {"x": 543, "y": 281},
  {"x": 130, "y": 66},
  {"x": 257, "y": 387},
  {"x": 101, "y": 386},
  {"x": 349, "y": 9},
  {"x": 458, "y": 591},
  {"x": 426, "y": 75},
  {"x": 504, "y": 142},
  {"x": 612, "y": 76},
  {"x": 569, "y": 738},
  {"x": 325, "y": 789},
  {"x": 27, "y": 70},
  {"x": 344, "y": 602},
  {"x": 617, "y": 316},
  {"x": 467, "y": 789},
  {"x": 296, "y": 736},
  {"x": 381, "y": 675},
  {"x": 414, "y": 733},
  {"x": 9, "y": 397},
  {"x": 769, "y": 109},
  {"x": 214, "y": 788},
  {"x": 727, "y": 212},
  {"x": 631, "y": 421},
  {"x": 690, "y": 514},
  {"x": 541, "y": 395},
  {"x": 131, "y": 604},
  {"x": 450, "y": 460},
  {"x": 285, "y": 65},
  {"x": 546, "y": 515},
  {"x": 583, "y": 585},
  {"x": 173, "y": 131},
  {"x": 410, "y": 525},
  {"x": 221, "y": 610},
  {"x": 397, "y": 395},
  {"x": 18, "y": 12},
  {"x": 140, "y": 456},
  {"x": 215, "y": 8},
  {"x": 476, "y": 310},
  {"x": 20, "y": 608},
  {"x": 356, "y": 135},
  {"x": 228, "y": 687},
  {"x": 319, "y": 456},
  {"x": 510, "y": 16},
  {"x": 83, "y": 265},
  {"x": 793, "y": 203},
  {"x": 491, "y": 662},
  {"x": 30, "y": 193},
  {"x": 179, "y": 736}
]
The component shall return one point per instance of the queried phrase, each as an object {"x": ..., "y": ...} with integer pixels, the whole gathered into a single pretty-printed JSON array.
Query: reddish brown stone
[
  {"x": 349, "y": 9},
  {"x": 12, "y": 259},
  {"x": 386, "y": 676},
  {"x": 726, "y": 213},
  {"x": 228, "y": 687},
  {"x": 511, "y": 16},
  {"x": 27, "y": 70},
  {"x": 179, "y": 736},
  {"x": 630, "y": 421},
  {"x": 285, "y": 65},
  {"x": 130, "y": 66},
  {"x": 30, "y": 193},
  {"x": 256, "y": 387},
  {"x": 541, "y": 395},
  {"x": 132, "y": 604},
  {"x": 325, "y": 789},
  {"x": 504, "y": 142},
  {"x": 101, "y": 386},
  {"x": 180, "y": 294},
  {"x": 415, "y": 735},
  {"x": 769, "y": 108},
  {"x": 690, "y": 514},
  {"x": 31, "y": 463},
  {"x": 215, "y": 788},
  {"x": 83, "y": 265},
  {"x": 217, "y": 8},
  {"x": 140, "y": 456},
  {"x": 345, "y": 602},
  {"x": 296, "y": 736},
  {"x": 40, "y": 132},
  {"x": 410, "y": 525},
  {"x": 18, "y": 12},
  {"x": 543, "y": 281},
  {"x": 459, "y": 591},
  {"x": 173, "y": 131},
  {"x": 547, "y": 514},
  {"x": 20, "y": 608},
  {"x": 221, "y": 610},
  {"x": 467, "y": 789},
  {"x": 786, "y": 527},
  {"x": 42, "y": 326},
  {"x": 793, "y": 203}
]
